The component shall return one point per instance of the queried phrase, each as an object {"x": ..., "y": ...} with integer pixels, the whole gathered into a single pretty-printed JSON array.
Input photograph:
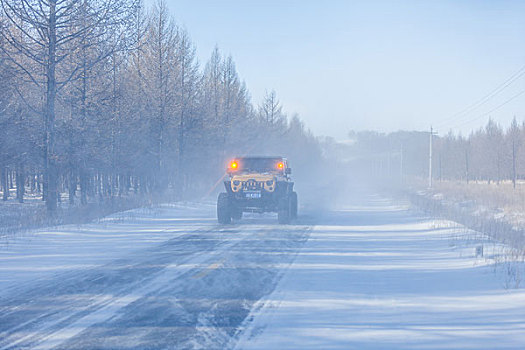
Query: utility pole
[
  {"x": 432, "y": 133},
  {"x": 401, "y": 170},
  {"x": 467, "y": 146}
]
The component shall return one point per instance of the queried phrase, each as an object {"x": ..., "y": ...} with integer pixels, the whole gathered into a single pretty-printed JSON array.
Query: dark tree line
[{"x": 102, "y": 98}]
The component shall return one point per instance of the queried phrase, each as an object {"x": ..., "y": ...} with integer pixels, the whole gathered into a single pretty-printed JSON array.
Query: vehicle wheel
[
  {"x": 283, "y": 215},
  {"x": 293, "y": 205},
  {"x": 236, "y": 213},
  {"x": 223, "y": 209}
]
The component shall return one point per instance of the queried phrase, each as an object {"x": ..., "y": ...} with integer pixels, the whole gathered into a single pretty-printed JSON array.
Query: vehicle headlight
[
  {"x": 269, "y": 182},
  {"x": 236, "y": 183}
]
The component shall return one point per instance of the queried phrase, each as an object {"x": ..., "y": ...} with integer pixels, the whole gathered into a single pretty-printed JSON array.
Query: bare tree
[
  {"x": 188, "y": 88},
  {"x": 514, "y": 135},
  {"x": 160, "y": 77},
  {"x": 45, "y": 31},
  {"x": 270, "y": 109},
  {"x": 99, "y": 96}
]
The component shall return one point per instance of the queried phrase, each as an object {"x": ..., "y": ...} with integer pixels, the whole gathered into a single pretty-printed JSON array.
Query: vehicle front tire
[
  {"x": 223, "y": 209},
  {"x": 283, "y": 215},
  {"x": 294, "y": 205}
]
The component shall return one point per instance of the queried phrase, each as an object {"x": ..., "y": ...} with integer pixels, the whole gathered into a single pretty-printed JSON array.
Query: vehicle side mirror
[{"x": 288, "y": 171}]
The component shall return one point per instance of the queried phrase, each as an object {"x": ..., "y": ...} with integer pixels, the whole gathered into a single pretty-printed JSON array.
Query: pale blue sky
[{"x": 382, "y": 65}]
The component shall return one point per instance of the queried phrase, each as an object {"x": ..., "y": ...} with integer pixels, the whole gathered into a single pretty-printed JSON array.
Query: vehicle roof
[{"x": 260, "y": 157}]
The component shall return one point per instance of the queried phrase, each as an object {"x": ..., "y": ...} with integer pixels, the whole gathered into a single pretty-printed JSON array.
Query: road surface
[{"x": 371, "y": 275}]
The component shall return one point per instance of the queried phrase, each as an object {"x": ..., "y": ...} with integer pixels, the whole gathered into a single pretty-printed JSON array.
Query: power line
[
  {"x": 515, "y": 76},
  {"x": 492, "y": 110}
]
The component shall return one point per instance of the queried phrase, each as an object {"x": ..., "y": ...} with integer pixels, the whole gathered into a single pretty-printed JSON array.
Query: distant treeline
[
  {"x": 99, "y": 98},
  {"x": 491, "y": 153}
]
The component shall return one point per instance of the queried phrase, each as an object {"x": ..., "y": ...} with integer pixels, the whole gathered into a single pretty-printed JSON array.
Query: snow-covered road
[
  {"x": 377, "y": 277},
  {"x": 372, "y": 275}
]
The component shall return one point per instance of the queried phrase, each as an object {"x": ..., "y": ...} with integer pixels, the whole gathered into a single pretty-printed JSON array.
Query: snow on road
[
  {"x": 372, "y": 276},
  {"x": 378, "y": 277},
  {"x": 157, "y": 278},
  {"x": 41, "y": 254}
]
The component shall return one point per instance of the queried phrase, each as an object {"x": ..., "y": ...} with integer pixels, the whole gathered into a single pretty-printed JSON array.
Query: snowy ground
[{"x": 372, "y": 276}]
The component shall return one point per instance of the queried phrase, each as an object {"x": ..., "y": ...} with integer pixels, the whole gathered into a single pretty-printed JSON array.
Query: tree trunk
[
  {"x": 5, "y": 183},
  {"x": 38, "y": 184},
  {"x": 514, "y": 164},
  {"x": 20, "y": 183},
  {"x": 72, "y": 186},
  {"x": 52, "y": 171},
  {"x": 32, "y": 183},
  {"x": 466, "y": 166},
  {"x": 180, "y": 173},
  {"x": 84, "y": 183}
]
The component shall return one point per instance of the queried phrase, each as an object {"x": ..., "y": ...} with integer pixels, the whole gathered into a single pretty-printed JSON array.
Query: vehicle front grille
[{"x": 252, "y": 185}]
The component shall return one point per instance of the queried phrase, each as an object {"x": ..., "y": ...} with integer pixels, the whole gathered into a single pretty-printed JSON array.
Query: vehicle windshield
[{"x": 259, "y": 165}]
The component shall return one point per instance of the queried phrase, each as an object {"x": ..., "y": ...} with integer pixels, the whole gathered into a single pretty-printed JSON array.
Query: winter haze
[{"x": 233, "y": 174}]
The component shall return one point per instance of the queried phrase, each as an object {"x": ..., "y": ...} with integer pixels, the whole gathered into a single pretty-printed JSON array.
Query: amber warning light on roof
[{"x": 280, "y": 165}]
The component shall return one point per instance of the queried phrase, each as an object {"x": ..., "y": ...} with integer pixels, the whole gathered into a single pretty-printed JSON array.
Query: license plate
[{"x": 253, "y": 194}]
